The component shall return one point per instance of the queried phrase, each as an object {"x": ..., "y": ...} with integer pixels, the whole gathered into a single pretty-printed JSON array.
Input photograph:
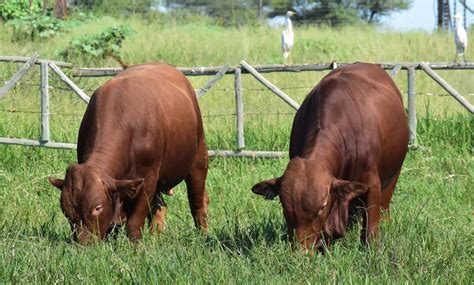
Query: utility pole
[
  {"x": 440, "y": 15},
  {"x": 444, "y": 15}
]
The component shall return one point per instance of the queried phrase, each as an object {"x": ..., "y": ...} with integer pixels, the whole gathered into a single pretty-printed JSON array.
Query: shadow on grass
[
  {"x": 238, "y": 240},
  {"x": 18, "y": 228}
]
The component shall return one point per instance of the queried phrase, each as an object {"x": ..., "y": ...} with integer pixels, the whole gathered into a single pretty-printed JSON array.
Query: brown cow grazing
[
  {"x": 348, "y": 140},
  {"x": 141, "y": 135}
]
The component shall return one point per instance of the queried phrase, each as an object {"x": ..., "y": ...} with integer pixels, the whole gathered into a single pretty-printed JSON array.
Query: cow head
[
  {"x": 92, "y": 200},
  {"x": 315, "y": 204}
]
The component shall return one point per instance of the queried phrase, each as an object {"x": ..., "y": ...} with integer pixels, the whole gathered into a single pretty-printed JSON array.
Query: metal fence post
[
  {"x": 44, "y": 103},
  {"x": 239, "y": 105},
  {"x": 411, "y": 104}
]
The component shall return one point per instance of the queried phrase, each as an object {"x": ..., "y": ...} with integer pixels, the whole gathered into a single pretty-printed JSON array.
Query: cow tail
[{"x": 119, "y": 60}]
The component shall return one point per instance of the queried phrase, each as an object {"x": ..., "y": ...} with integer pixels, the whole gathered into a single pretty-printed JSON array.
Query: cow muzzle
[
  {"x": 84, "y": 237},
  {"x": 270, "y": 195}
]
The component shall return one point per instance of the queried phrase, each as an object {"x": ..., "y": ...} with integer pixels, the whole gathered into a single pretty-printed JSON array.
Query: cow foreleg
[
  {"x": 142, "y": 210},
  {"x": 137, "y": 219},
  {"x": 197, "y": 195},
  {"x": 371, "y": 217}
]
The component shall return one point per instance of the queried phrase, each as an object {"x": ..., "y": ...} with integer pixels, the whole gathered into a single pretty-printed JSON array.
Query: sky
[{"x": 421, "y": 16}]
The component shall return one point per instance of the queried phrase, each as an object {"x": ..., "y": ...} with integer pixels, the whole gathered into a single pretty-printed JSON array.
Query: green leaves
[
  {"x": 33, "y": 27},
  {"x": 18, "y": 9},
  {"x": 101, "y": 45}
]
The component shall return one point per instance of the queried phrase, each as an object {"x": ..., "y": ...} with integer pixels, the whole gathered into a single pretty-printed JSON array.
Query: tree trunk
[
  {"x": 60, "y": 9},
  {"x": 45, "y": 6},
  {"x": 372, "y": 15}
]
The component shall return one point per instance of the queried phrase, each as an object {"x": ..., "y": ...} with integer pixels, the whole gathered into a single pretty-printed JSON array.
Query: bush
[
  {"x": 38, "y": 27},
  {"x": 107, "y": 43},
  {"x": 19, "y": 9}
]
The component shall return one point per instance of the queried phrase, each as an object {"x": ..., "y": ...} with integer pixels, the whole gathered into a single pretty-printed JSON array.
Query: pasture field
[{"x": 429, "y": 238}]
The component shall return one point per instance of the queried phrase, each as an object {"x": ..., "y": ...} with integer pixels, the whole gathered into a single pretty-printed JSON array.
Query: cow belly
[{"x": 173, "y": 172}]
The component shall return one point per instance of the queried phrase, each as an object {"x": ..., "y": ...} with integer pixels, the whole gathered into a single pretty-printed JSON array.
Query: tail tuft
[{"x": 119, "y": 60}]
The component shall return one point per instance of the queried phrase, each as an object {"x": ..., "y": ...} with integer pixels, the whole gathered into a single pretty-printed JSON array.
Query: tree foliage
[
  {"x": 372, "y": 10},
  {"x": 107, "y": 43},
  {"x": 232, "y": 12},
  {"x": 335, "y": 12},
  {"x": 329, "y": 11},
  {"x": 18, "y": 9}
]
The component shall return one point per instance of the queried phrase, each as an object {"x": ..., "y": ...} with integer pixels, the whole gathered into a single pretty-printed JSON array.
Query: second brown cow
[
  {"x": 348, "y": 140},
  {"x": 141, "y": 135}
]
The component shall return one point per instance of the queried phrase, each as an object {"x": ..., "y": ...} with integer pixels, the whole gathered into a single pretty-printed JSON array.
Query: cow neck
[
  {"x": 107, "y": 161},
  {"x": 327, "y": 153}
]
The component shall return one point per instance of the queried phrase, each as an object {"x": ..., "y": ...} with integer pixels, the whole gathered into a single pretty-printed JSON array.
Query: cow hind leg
[
  {"x": 197, "y": 195},
  {"x": 158, "y": 214},
  {"x": 387, "y": 193}
]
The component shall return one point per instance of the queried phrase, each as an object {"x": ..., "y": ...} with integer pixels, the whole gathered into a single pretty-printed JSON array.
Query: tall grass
[{"x": 428, "y": 240}]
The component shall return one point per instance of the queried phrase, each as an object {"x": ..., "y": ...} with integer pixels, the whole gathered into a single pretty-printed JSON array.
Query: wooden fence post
[
  {"x": 213, "y": 81},
  {"x": 451, "y": 91},
  {"x": 411, "y": 104},
  {"x": 287, "y": 99},
  {"x": 44, "y": 103},
  {"x": 239, "y": 105},
  {"x": 17, "y": 76},
  {"x": 395, "y": 70},
  {"x": 71, "y": 84}
]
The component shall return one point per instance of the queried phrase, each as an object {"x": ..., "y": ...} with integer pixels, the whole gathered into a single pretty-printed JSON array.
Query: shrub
[
  {"x": 38, "y": 27},
  {"x": 107, "y": 43},
  {"x": 19, "y": 9}
]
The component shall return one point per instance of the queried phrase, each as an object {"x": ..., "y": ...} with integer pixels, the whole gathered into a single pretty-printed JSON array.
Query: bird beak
[{"x": 292, "y": 13}]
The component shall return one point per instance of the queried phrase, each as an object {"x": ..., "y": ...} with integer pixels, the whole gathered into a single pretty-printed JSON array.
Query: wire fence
[
  {"x": 267, "y": 119},
  {"x": 221, "y": 91}
]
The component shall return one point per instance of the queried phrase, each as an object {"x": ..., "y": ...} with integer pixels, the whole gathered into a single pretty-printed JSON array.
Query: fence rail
[
  {"x": 22, "y": 59},
  {"x": 218, "y": 73},
  {"x": 200, "y": 71}
]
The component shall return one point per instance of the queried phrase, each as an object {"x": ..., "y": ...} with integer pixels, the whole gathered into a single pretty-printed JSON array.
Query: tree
[
  {"x": 372, "y": 10},
  {"x": 337, "y": 12},
  {"x": 60, "y": 9}
]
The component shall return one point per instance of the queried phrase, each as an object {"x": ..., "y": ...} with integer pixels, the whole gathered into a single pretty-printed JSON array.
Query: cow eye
[
  {"x": 97, "y": 210},
  {"x": 322, "y": 208}
]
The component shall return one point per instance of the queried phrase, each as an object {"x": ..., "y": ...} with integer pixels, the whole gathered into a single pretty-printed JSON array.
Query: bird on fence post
[
  {"x": 460, "y": 38},
  {"x": 287, "y": 36}
]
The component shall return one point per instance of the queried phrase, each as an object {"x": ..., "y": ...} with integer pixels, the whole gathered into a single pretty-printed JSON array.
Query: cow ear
[
  {"x": 127, "y": 188},
  {"x": 342, "y": 193},
  {"x": 268, "y": 188},
  {"x": 56, "y": 182}
]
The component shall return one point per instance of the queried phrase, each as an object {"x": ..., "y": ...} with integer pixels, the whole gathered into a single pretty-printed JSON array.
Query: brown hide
[
  {"x": 349, "y": 139},
  {"x": 141, "y": 135}
]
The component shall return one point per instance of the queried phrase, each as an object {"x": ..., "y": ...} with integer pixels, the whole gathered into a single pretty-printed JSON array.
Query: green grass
[{"x": 428, "y": 240}]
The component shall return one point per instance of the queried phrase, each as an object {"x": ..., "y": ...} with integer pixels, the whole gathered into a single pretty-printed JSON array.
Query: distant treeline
[{"x": 332, "y": 12}]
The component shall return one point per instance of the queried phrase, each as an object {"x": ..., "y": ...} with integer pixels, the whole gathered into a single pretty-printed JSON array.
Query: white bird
[
  {"x": 287, "y": 36},
  {"x": 460, "y": 38}
]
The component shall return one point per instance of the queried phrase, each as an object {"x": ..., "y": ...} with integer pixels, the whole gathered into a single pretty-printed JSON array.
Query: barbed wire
[
  {"x": 224, "y": 90},
  {"x": 215, "y": 115},
  {"x": 25, "y": 111},
  {"x": 22, "y": 111},
  {"x": 29, "y": 83}
]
